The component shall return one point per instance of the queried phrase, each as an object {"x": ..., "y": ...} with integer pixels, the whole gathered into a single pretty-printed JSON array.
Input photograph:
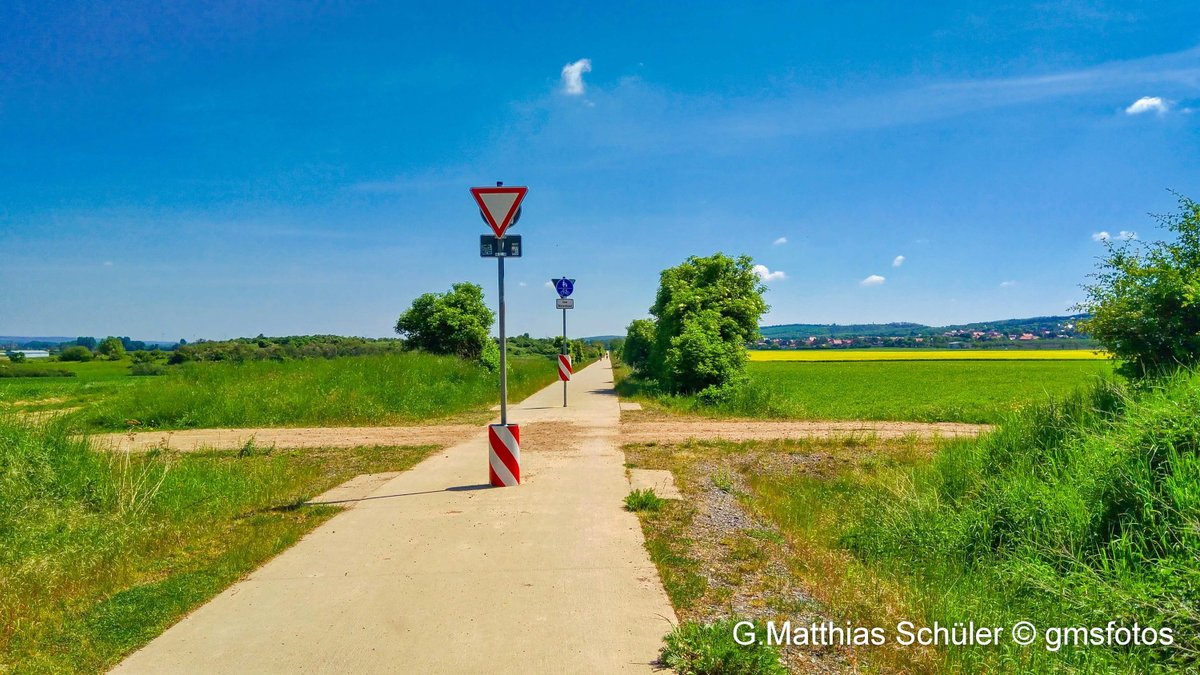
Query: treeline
[
  {"x": 580, "y": 350},
  {"x": 264, "y": 348}
]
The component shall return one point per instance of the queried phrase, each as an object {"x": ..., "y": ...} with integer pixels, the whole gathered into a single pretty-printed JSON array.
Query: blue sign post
[{"x": 565, "y": 287}]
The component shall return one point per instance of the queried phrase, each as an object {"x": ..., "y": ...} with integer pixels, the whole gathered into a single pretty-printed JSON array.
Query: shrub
[
  {"x": 143, "y": 369},
  {"x": 15, "y": 357},
  {"x": 1145, "y": 302},
  {"x": 643, "y": 500},
  {"x": 76, "y": 353},
  {"x": 456, "y": 322},
  {"x": 710, "y": 649},
  {"x": 705, "y": 311}
]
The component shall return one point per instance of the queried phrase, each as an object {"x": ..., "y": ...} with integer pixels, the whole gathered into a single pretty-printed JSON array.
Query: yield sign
[{"x": 499, "y": 205}]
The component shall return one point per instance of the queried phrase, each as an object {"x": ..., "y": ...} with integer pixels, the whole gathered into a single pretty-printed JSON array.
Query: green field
[
  {"x": 404, "y": 388},
  {"x": 101, "y": 552},
  {"x": 922, "y": 391}
]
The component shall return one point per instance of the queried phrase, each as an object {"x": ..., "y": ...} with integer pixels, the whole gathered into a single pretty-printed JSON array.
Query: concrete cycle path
[{"x": 437, "y": 572}]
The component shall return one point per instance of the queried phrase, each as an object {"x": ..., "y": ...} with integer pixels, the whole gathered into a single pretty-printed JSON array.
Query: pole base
[{"x": 504, "y": 455}]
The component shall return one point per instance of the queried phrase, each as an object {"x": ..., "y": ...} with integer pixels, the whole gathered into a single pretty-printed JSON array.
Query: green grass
[
  {"x": 102, "y": 552},
  {"x": 1074, "y": 513},
  {"x": 921, "y": 391},
  {"x": 710, "y": 649},
  {"x": 92, "y": 381},
  {"x": 364, "y": 390},
  {"x": 643, "y": 500}
]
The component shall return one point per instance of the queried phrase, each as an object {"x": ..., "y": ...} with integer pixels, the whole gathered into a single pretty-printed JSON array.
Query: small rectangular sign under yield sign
[
  {"x": 494, "y": 247},
  {"x": 564, "y": 303}
]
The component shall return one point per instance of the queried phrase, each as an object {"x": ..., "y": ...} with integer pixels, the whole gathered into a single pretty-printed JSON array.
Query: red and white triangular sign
[{"x": 499, "y": 205}]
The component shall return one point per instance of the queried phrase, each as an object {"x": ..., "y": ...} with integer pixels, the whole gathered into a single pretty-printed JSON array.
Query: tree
[
  {"x": 707, "y": 309},
  {"x": 457, "y": 322},
  {"x": 89, "y": 342},
  {"x": 15, "y": 357},
  {"x": 639, "y": 341},
  {"x": 76, "y": 353},
  {"x": 111, "y": 348},
  {"x": 1145, "y": 302}
]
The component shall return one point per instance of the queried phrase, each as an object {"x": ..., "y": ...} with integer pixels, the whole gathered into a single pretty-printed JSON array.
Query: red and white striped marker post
[
  {"x": 504, "y": 455},
  {"x": 564, "y": 367}
]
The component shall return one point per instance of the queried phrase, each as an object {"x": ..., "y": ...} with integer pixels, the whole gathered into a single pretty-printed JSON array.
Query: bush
[
  {"x": 710, "y": 649},
  {"x": 15, "y": 357},
  {"x": 1145, "y": 303},
  {"x": 144, "y": 369},
  {"x": 456, "y": 322},
  {"x": 643, "y": 500},
  {"x": 76, "y": 353}
]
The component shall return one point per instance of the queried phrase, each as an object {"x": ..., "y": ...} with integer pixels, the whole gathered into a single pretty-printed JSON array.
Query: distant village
[{"x": 1062, "y": 335}]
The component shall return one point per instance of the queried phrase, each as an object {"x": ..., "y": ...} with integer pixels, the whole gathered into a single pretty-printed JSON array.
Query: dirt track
[
  {"x": 677, "y": 431},
  {"x": 674, "y": 431}
]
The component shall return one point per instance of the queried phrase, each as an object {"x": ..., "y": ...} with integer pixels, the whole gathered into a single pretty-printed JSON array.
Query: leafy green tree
[
  {"x": 89, "y": 342},
  {"x": 457, "y": 322},
  {"x": 76, "y": 353},
  {"x": 111, "y": 348},
  {"x": 707, "y": 309},
  {"x": 15, "y": 357},
  {"x": 1145, "y": 302},
  {"x": 639, "y": 342}
]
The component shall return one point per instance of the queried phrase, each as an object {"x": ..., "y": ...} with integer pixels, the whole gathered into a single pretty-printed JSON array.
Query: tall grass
[
  {"x": 100, "y": 552},
  {"x": 380, "y": 389},
  {"x": 1075, "y": 513}
]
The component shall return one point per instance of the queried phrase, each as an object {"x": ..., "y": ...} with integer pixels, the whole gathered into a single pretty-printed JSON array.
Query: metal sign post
[
  {"x": 500, "y": 208},
  {"x": 564, "y": 287}
]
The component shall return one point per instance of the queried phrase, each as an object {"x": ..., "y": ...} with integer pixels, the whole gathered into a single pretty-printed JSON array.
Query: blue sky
[{"x": 248, "y": 168}]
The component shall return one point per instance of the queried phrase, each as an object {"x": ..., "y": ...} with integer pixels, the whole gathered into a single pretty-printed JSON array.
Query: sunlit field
[{"x": 927, "y": 355}]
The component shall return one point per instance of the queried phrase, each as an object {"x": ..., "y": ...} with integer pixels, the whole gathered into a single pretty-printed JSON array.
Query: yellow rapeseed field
[{"x": 926, "y": 355}]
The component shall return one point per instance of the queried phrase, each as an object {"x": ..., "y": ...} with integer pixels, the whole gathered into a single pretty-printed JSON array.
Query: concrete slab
[
  {"x": 434, "y": 571},
  {"x": 630, "y": 406},
  {"x": 659, "y": 480}
]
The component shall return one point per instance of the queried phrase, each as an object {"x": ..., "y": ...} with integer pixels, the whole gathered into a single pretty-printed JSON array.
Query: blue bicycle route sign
[{"x": 564, "y": 286}]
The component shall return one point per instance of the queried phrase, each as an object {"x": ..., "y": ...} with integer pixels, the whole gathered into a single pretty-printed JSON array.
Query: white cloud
[
  {"x": 1147, "y": 104},
  {"x": 549, "y": 285},
  {"x": 767, "y": 275},
  {"x": 572, "y": 76},
  {"x": 1123, "y": 235},
  {"x": 522, "y": 283},
  {"x": 108, "y": 263},
  {"x": 1007, "y": 284},
  {"x": 898, "y": 261},
  {"x": 780, "y": 241},
  {"x": 873, "y": 280}
]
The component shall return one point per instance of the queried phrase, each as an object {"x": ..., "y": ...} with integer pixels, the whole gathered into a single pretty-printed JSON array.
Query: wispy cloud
[
  {"x": 873, "y": 280},
  {"x": 767, "y": 275},
  {"x": 1147, "y": 104},
  {"x": 572, "y": 76},
  {"x": 1123, "y": 235},
  {"x": 1007, "y": 284},
  {"x": 898, "y": 261},
  {"x": 779, "y": 242},
  {"x": 108, "y": 263}
]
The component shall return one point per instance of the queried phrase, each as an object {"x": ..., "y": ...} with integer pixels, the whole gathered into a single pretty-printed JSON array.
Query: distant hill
[
  {"x": 17, "y": 339},
  {"x": 1035, "y": 325}
]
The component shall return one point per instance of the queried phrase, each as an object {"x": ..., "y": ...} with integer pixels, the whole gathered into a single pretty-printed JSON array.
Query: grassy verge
[
  {"x": 102, "y": 552},
  {"x": 920, "y": 391},
  {"x": 365, "y": 390},
  {"x": 1074, "y": 514}
]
